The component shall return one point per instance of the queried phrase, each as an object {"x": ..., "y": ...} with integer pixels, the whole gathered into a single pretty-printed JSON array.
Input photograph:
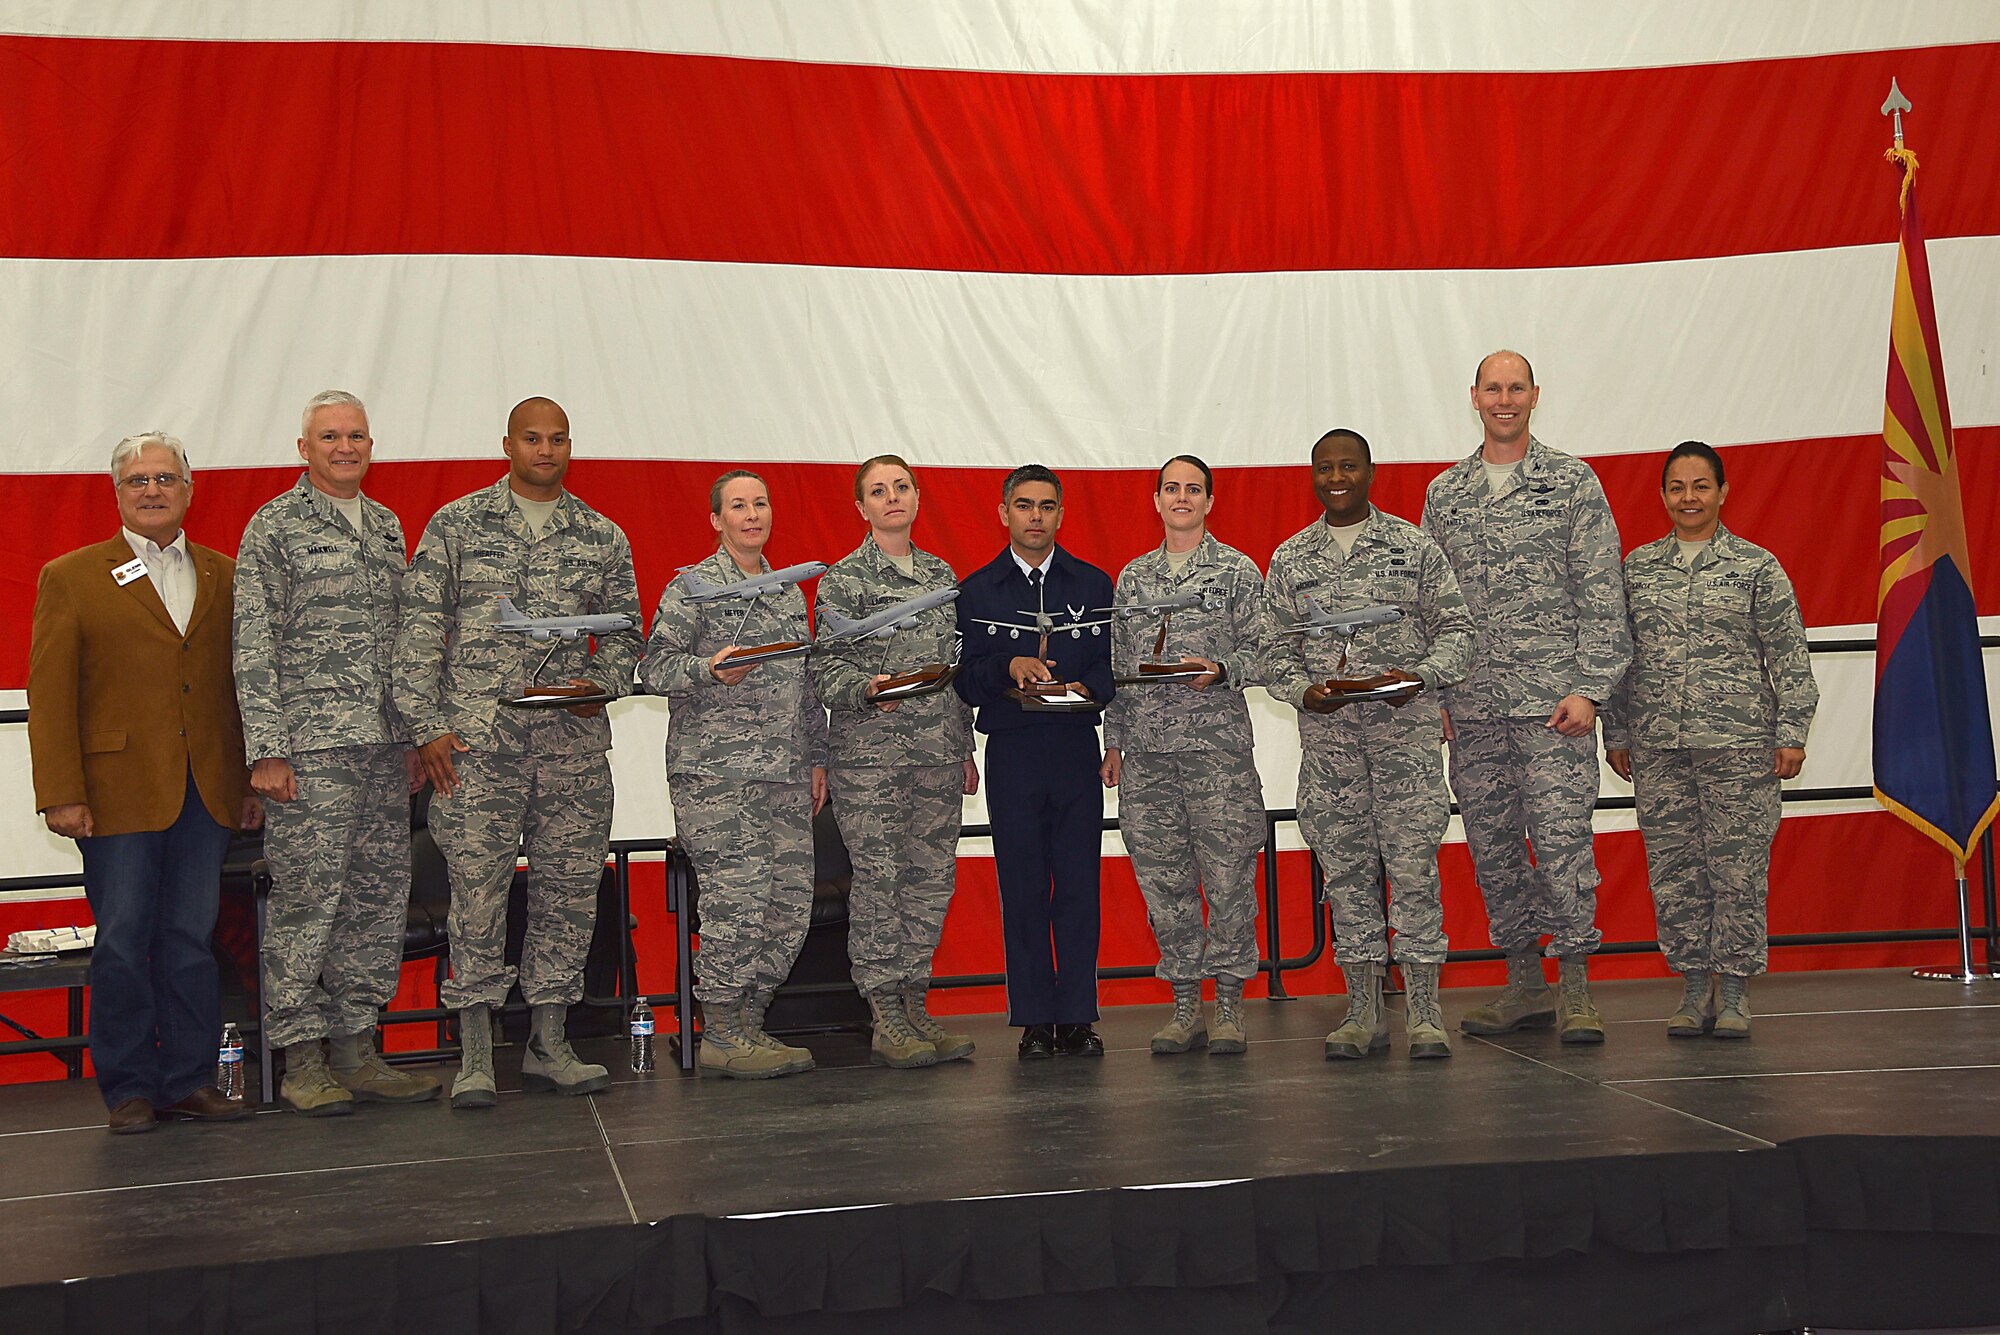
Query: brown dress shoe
[
  {"x": 207, "y": 1105},
  {"x": 131, "y": 1117}
]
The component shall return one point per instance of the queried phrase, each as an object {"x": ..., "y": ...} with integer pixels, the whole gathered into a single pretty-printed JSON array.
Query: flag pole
[
  {"x": 1895, "y": 105},
  {"x": 1965, "y": 973}
]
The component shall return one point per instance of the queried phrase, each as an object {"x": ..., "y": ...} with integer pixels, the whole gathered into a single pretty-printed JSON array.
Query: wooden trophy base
[
  {"x": 1382, "y": 688},
  {"x": 1052, "y": 697},
  {"x": 556, "y": 697},
  {"x": 764, "y": 653},
  {"x": 912, "y": 685},
  {"x": 1159, "y": 674}
]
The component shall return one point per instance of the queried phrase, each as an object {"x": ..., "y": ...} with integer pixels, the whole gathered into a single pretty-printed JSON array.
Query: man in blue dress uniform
[{"x": 1034, "y": 621}]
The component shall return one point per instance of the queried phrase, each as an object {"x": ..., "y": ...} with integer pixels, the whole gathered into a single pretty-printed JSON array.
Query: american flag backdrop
[{"x": 791, "y": 234}]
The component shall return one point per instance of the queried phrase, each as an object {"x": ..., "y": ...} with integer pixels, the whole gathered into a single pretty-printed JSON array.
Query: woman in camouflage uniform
[
  {"x": 746, "y": 767},
  {"x": 899, "y": 768},
  {"x": 1190, "y": 805},
  {"x": 1710, "y": 719}
]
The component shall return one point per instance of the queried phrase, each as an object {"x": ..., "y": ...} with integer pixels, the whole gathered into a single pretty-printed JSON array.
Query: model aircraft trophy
[
  {"x": 557, "y": 632},
  {"x": 882, "y": 625},
  {"x": 695, "y": 589},
  {"x": 1154, "y": 672},
  {"x": 1050, "y": 697},
  {"x": 1393, "y": 688}
]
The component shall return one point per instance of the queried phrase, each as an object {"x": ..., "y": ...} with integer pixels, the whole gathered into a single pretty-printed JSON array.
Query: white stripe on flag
[{"x": 659, "y": 359}]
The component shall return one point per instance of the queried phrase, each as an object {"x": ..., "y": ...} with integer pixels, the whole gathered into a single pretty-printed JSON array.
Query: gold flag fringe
[{"x": 1907, "y": 160}]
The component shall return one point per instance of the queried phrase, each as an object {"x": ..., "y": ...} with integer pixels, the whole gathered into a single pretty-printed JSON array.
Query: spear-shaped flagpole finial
[{"x": 1896, "y": 104}]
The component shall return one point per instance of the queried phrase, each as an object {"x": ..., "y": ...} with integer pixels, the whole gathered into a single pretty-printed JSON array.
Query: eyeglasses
[{"x": 140, "y": 481}]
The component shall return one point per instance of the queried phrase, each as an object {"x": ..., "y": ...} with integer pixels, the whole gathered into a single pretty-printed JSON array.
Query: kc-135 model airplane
[
  {"x": 1319, "y": 623},
  {"x": 1212, "y": 598},
  {"x": 879, "y": 625},
  {"x": 1044, "y": 624},
  {"x": 564, "y": 629},
  {"x": 695, "y": 589}
]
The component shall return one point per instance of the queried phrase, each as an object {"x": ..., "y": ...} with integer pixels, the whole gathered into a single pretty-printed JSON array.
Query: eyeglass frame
[{"x": 138, "y": 482}]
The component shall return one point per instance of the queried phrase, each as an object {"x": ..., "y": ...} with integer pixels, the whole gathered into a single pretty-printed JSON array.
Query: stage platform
[{"x": 1841, "y": 1168}]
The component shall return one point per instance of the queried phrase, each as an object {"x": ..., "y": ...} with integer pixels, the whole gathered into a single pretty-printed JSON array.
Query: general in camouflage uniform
[
  {"x": 1537, "y": 559},
  {"x": 315, "y": 633},
  {"x": 1190, "y": 804},
  {"x": 741, "y": 758},
  {"x": 517, "y": 783},
  {"x": 1371, "y": 794},
  {"x": 897, "y": 780},
  {"x": 1712, "y": 714}
]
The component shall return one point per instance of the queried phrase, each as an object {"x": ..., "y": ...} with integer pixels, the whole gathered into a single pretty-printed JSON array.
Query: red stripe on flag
[
  {"x": 171, "y": 149},
  {"x": 1812, "y": 502},
  {"x": 1902, "y": 405}
]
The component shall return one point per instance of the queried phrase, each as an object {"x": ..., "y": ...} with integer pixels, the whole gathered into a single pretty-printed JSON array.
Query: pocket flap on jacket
[{"x": 96, "y": 743}]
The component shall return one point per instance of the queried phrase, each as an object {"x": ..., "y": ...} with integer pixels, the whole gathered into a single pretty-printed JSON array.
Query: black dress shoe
[
  {"x": 1037, "y": 1041},
  {"x": 131, "y": 1117},
  {"x": 1078, "y": 1040}
]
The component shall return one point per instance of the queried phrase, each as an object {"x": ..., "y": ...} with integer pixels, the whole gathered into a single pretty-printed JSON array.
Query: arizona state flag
[{"x": 1933, "y": 734}]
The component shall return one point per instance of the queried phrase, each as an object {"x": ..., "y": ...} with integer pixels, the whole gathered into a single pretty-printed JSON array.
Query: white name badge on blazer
[{"x": 131, "y": 570}]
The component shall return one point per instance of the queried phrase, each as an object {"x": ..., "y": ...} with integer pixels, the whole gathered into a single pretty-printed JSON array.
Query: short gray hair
[
  {"x": 327, "y": 398},
  {"x": 126, "y": 450}
]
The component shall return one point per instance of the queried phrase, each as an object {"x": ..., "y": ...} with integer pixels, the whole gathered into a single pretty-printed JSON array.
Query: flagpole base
[{"x": 1967, "y": 976}]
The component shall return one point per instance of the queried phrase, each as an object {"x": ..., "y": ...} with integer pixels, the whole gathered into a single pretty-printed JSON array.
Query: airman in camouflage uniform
[
  {"x": 1371, "y": 794},
  {"x": 517, "y": 783},
  {"x": 1536, "y": 553},
  {"x": 1181, "y": 754},
  {"x": 898, "y": 778},
  {"x": 746, "y": 762},
  {"x": 315, "y": 631},
  {"x": 1709, "y": 720}
]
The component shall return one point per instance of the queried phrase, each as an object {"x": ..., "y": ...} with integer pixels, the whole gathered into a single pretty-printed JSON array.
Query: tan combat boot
[
  {"x": 1577, "y": 1020},
  {"x": 895, "y": 1044},
  {"x": 362, "y": 1072},
  {"x": 796, "y": 1059},
  {"x": 474, "y": 1087},
  {"x": 1184, "y": 1030},
  {"x": 727, "y": 1049},
  {"x": 550, "y": 1063},
  {"x": 1524, "y": 1004},
  {"x": 1733, "y": 1021},
  {"x": 1366, "y": 1028},
  {"x": 1423, "y": 1017},
  {"x": 1695, "y": 1015},
  {"x": 950, "y": 1046},
  {"x": 1226, "y": 1034},
  {"x": 309, "y": 1089}
]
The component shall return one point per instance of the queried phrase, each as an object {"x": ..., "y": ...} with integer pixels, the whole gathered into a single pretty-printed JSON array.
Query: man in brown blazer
[{"x": 138, "y": 756}]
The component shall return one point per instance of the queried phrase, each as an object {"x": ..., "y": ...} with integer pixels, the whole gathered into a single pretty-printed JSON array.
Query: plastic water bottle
[
  {"x": 642, "y": 1036},
  {"x": 229, "y": 1064}
]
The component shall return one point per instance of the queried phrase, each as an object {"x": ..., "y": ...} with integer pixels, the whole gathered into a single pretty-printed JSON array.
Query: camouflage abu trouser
[
  {"x": 752, "y": 847},
  {"x": 555, "y": 810},
  {"x": 340, "y": 890},
  {"x": 1519, "y": 781},
  {"x": 1374, "y": 803},
  {"x": 1709, "y": 818},
  {"x": 901, "y": 830},
  {"x": 1193, "y": 822}
]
